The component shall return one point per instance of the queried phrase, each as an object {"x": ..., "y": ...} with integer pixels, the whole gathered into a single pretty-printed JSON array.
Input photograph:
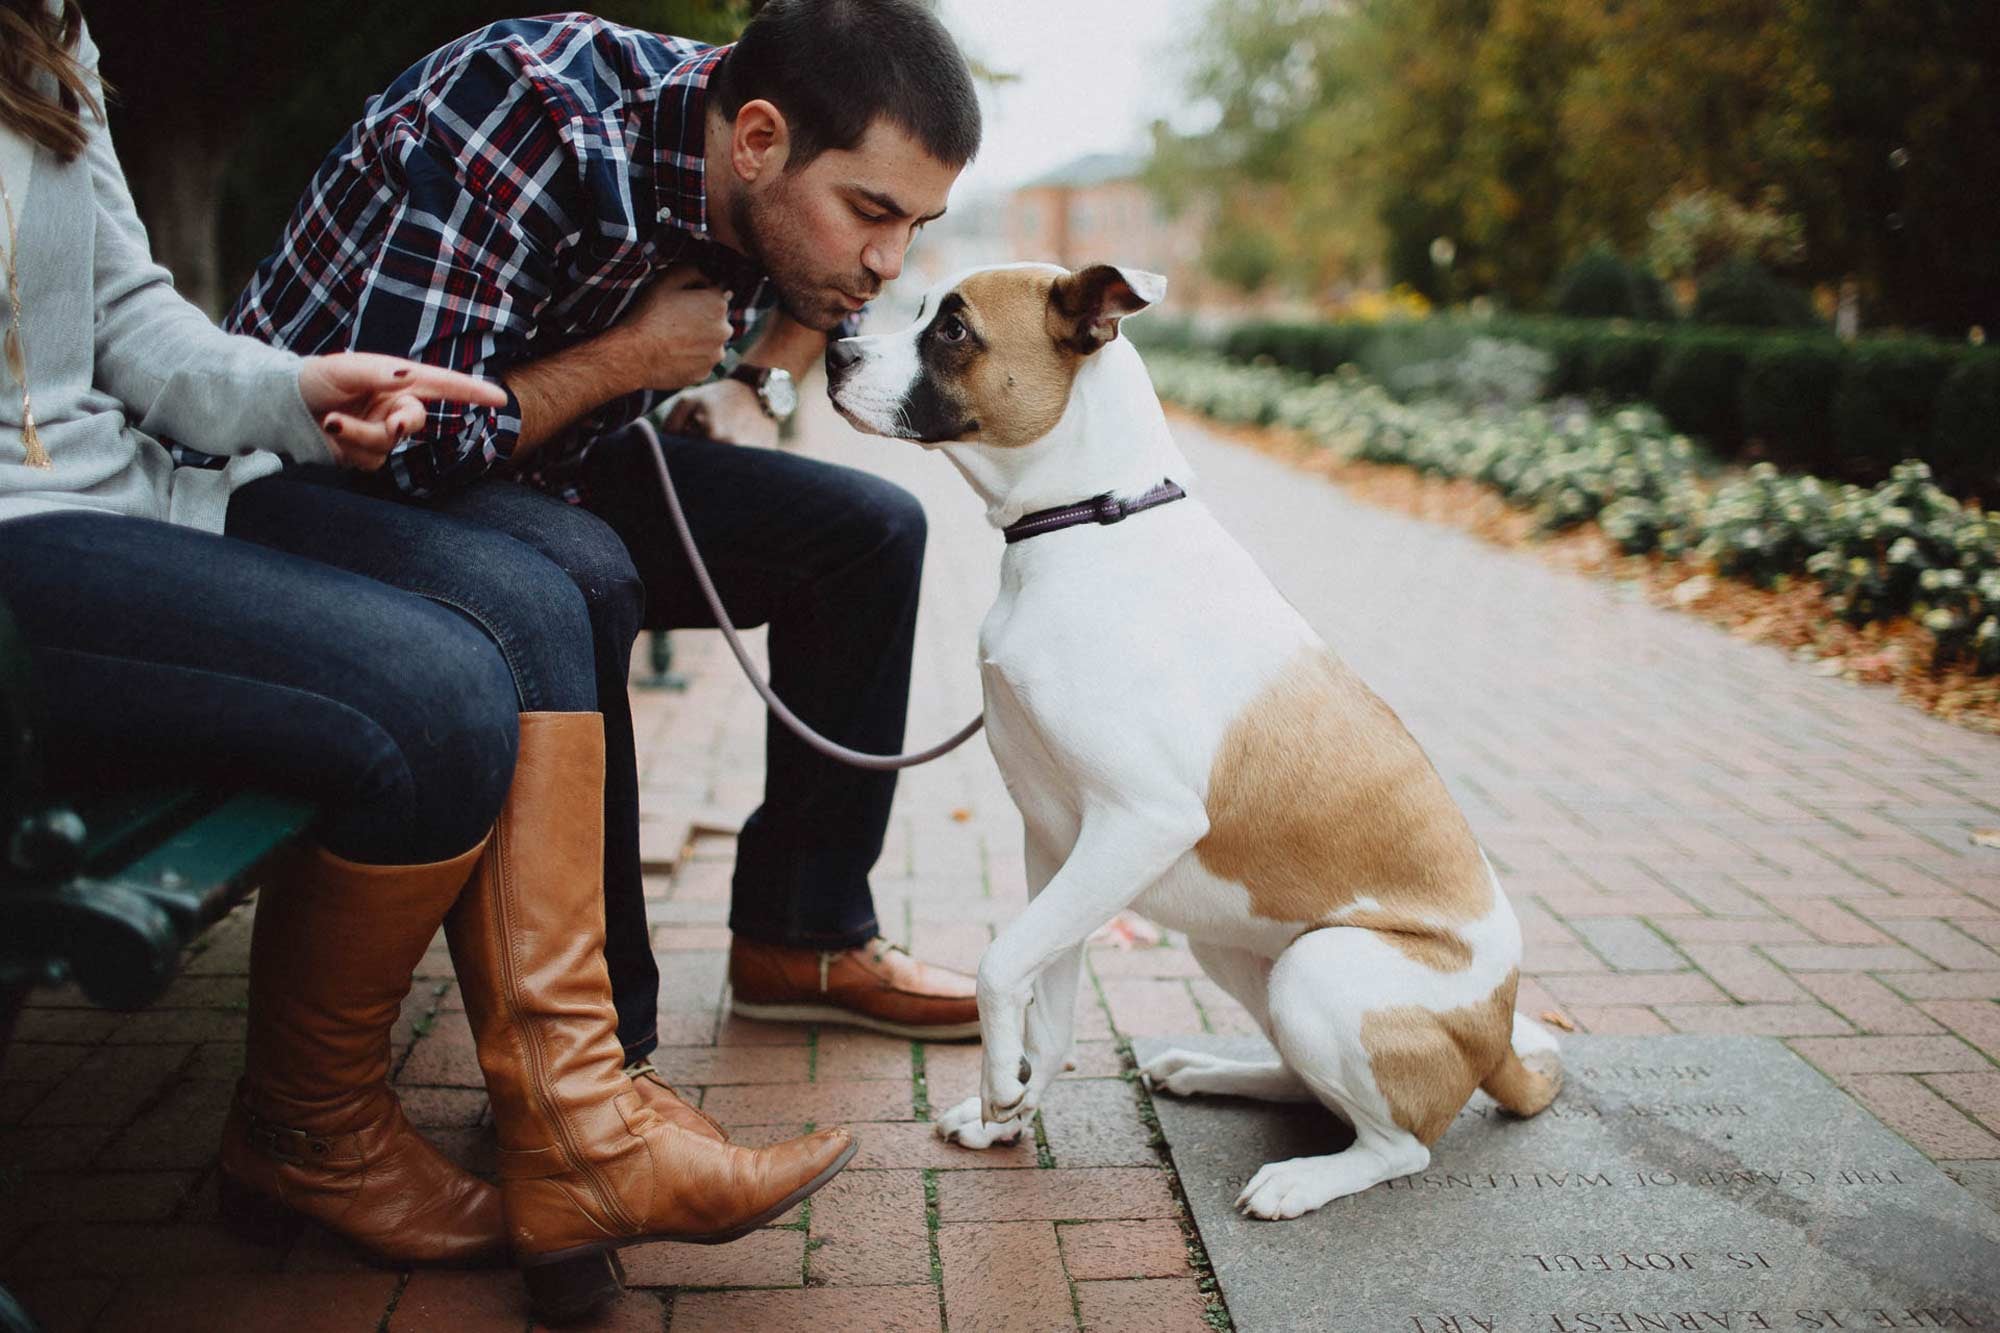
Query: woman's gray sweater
[{"x": 117, "y": 360}]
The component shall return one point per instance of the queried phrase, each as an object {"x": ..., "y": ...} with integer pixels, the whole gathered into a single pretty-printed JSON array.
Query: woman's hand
[{"x": 368, "y": 404}]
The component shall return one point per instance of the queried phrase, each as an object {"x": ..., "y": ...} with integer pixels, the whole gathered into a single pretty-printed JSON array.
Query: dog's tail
[{"x": 1530, "y": 1074}]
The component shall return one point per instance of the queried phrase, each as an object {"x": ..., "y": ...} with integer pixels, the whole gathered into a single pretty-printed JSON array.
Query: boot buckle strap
[{"x": 294, "y": 1147}]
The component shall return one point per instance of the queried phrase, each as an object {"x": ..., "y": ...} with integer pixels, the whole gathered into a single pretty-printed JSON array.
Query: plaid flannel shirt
[{"x": 506, "y": 197}]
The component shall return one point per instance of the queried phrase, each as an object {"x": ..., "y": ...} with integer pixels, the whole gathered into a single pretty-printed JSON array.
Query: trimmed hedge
[{"x": 1849, "y": 410}]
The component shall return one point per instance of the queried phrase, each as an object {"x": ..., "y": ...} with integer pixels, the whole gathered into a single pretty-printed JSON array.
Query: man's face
[{"x": 831, "y": 233}]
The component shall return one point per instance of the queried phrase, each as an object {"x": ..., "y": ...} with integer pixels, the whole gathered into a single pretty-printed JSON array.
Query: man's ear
[
  {"x": 759, "y": 140},
  {"x": 1085, "y": 306}
]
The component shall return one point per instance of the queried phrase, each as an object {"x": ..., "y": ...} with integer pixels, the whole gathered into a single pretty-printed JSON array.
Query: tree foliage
[{"x": 1862, "y": 137}]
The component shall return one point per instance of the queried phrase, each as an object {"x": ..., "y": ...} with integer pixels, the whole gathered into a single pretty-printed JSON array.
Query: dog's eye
[{"x": 952, "y": 330}]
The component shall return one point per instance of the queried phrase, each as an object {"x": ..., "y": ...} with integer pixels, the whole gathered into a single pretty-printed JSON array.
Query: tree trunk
[{"x": 176, "y": 175}]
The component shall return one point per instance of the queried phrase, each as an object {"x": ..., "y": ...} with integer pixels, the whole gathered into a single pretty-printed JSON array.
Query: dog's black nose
[{"x": 841, "y": 354}]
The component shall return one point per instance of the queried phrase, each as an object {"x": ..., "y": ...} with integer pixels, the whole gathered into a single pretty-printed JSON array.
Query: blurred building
[{"x": 1098, "y": 209}]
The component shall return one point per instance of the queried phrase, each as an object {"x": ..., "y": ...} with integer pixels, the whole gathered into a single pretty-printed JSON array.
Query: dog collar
[{"x": 1104, "y": 508}]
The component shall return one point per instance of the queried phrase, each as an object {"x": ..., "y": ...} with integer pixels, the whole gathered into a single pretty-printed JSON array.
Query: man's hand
[
  {"x": 725, "y": 410},
  {"x": 676, "y": 331},
  {"x": 368, "y": 404}
]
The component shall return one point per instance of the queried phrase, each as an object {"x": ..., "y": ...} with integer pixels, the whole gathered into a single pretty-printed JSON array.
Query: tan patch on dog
[
  {"x": 1428, "y": 1064},
  {"x": 1319, "y": 798},
  {"x": 1018, "y": 387}
]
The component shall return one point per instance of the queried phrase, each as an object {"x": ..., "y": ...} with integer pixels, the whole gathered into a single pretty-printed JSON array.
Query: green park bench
[{"x": 106, "y": 887}]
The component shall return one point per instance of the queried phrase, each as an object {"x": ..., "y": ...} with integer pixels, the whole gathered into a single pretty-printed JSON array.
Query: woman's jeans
[
  {"x": 830, "y": 558},
  {"x": 365, "y": 656}
]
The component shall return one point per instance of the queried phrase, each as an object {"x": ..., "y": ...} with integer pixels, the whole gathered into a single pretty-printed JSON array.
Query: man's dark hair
[{"x": 834, "y": 66}]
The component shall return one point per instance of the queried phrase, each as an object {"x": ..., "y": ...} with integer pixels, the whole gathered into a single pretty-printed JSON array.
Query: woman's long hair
[{"x": 33, "y": 40}]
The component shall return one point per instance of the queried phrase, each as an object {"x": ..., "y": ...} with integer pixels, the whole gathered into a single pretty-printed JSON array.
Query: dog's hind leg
[
  {"x": 1357, "y": 1022},
  {"x": 1245, "y": 975}
]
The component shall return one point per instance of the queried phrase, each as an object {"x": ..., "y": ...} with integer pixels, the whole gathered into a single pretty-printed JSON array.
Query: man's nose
[
  {"x": 885, "y": 261},
  {"x": 841, "y": 354}
]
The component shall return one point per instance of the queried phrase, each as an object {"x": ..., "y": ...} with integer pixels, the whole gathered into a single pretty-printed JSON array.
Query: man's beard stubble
[{"x": 802, "y": 294}]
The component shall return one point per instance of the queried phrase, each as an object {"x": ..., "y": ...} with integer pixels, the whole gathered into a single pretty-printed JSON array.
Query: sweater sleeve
[{"x": 178, "y": 375}]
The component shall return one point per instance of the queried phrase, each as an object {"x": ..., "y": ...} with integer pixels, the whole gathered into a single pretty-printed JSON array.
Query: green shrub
[
  {"x": 1602, "y": 285},
  {"x": 1699, "y": 385},
  {"x": 1965, "y": 435},
  {"x": 1742, "y": 292},
  {"x": 1883, "y": 409},
  {"x": 1786, "y": 399},
  {"x": 1621, "y": 364}
]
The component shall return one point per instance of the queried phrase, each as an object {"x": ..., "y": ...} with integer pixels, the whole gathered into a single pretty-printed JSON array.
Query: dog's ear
[{"x": 1085, "y": 306}]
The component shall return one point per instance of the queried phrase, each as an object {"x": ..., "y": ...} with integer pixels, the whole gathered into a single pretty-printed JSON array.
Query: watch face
[{"x": 780, "y": 394}]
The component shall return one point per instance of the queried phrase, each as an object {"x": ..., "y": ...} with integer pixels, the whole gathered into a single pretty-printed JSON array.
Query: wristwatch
[{"x": 775, "y": 391}]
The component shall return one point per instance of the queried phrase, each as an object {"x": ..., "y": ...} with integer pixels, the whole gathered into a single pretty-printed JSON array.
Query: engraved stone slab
[{"x": 1678, "y": 1185}]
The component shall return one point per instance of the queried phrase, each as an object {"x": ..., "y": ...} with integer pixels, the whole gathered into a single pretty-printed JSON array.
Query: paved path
[{"x": 1698, "y": 834}]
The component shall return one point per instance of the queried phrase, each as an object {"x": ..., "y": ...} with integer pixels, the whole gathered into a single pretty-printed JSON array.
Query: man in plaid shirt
[{"x": 589, "y": 214}]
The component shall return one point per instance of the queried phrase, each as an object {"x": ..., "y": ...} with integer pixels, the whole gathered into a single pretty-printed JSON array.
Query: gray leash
[{"x": 877, "y": 762}]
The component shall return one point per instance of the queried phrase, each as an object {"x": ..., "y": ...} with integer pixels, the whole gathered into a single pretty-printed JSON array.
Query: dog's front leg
[{"x": 1119, "y": 852}]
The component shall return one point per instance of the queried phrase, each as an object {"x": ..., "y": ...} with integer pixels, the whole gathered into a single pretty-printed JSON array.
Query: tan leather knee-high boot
[
  {"x": 315, "y": 1131},
  {"x": 586, "y": 1165}
]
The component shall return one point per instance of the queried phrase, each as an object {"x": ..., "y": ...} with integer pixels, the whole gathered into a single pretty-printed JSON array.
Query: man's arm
[{"x": 787, "y": 345}]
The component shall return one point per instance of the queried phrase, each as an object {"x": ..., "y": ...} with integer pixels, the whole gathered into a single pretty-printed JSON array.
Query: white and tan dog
[{"x": 1181, "y": 743}]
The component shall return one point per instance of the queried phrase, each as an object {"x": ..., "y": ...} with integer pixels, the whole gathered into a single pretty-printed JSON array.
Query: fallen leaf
[
  {"x": 1556, "y": 1020},
  {"x": 1986, "y": 837},
  {"x": 1127, "y": 931},
  {"x": 960, "y": 815}
]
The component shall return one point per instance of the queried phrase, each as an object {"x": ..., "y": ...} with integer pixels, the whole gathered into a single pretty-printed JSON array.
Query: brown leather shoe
[
  {"x": 670, "y": 1106},
  {"x": 315, "y": 1132},
  {"x": 876, "y": 985},
  {"x": 586, "y": 1165}
]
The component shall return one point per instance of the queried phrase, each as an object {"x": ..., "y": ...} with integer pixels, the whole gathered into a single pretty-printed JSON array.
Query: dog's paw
[
  {"x": 1291, "y": 1189},
  {"x": 964, "y": 1125},
  {"x": 1180, "y": 1072},
  {"x": 1005, "y": 1090}
]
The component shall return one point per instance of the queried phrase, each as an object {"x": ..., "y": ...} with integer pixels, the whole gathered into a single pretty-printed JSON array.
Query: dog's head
[{"x": 992, "y": 357}]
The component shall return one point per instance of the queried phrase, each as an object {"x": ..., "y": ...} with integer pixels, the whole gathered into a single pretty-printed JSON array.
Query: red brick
[
  {"x": 1146, "y": 1305},
  {"x": 1618, "y": 1020},
  {"x": 445, "y": 1057},
  {"x": 110, "y": 1249},
  {"x": 913, "y": 1144},
  {"x": 735, "y": 1031},
  {"x": 1977, "y": 1093},
  {"x": 39, "y": 1061},
  {"x": 1004, "y": 1277},
  {"x": 53, "y": 1147},
  {"x": 703, "y": 1065},
  {"x": 180, "y": 1130},
  {"x": 691, "y": 939},
  {"x": 1154, "y": 961},
  {"x": 1885, "y": 1055},
  {"x": 1731, "y": 930},
  {"x": 1935, "y": 1126},
  {"x": 1866, "y": 1002},
  {"x": 1943, "y": 945},
  {"x": 1085, "y": 1194},
  {"x": 443, "y": 1108},
  {"x": 1945, "y": 985},
  {"x": 1845, "y": 958},
  {"x": 814, "y": 1310},
  {"x": 294, "y": 1302},
  {"x": 1225, "y": 1016},
  {"x": 106, "y": 1196},
  {"x": 848, "y": 1055},
  {"x": 633, "y": 1312},
  {"x": 1660, "y": 988},
  {"x": 1143, "y": 1008},
  {"x": 153, "y": 1027},
  {"x": 1978, "y": 1021},
  {"x": 824, "y": 1104},
  {"x": 1097, "y": 1250},
  {"x": 1951, "y": 905},
  {"x": 1831, "y": 922},
  {"x": 869, "y": 1229},
  {"x": 768, "y": 1258},
  {"x": 109, "y": 1085},
  {"x": 441, "y": 1302},
  {"x": 1755, "y": 1020}
]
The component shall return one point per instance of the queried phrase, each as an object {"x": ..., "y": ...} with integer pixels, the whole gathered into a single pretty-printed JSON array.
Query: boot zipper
[{"x": 612, "y": 1205}]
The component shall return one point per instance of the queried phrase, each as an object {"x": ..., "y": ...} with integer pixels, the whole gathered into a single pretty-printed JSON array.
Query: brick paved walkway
[{"x": 1698, "y": 834}]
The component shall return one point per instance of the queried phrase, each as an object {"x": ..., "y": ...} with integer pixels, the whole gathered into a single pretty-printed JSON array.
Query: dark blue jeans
[
  {"x": 361, "y": 655},
  {"x": 830, "y": 558}
]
